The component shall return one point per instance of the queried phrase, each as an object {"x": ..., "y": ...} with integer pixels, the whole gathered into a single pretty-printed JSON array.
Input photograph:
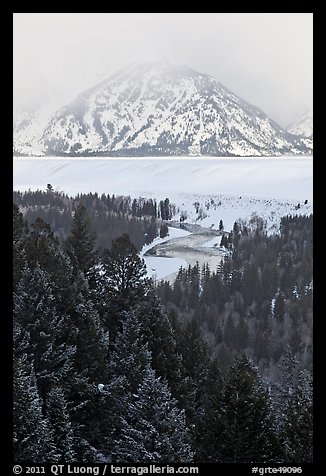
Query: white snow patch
[{"x": 159, "y": 267}]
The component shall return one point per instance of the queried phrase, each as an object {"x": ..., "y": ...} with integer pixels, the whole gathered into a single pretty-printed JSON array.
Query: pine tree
[
  {"x": 42, "y": 330},
  {"x": 90, "y": 367},
  {"x": 59, "y": 422},
  {"x": 204, "y": 433},
  {"x": 164, "y": 230},
  {"x": 157, "y": 331},
  {"x": 130, "y": 355},
  {"x": 124, "y": 272},
  {"x": 81, "y": 243},
  {"x": 298, "y": 430},
  {"x": 44, "y": 249},
  {"x": 20, "y": 230},
  {"x": 240, "y": 428},
  {"x": 33, "y": 442},
  {"x": 195, "y": 362},
  {"x": 154, "y": 429},
  {"x": 128, "y": 362},
  {"x": 293, "y": 411}
]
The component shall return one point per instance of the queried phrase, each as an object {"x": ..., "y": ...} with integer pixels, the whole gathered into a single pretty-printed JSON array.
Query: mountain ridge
[
  {"x": 164, "y": 108},
  {"x": 303, "y": 126}
]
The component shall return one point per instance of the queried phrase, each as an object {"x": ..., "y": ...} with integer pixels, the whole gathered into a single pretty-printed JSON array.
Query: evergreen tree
[
  {"x": 158, "y": 333},
  {"x": 224, "y": 241},
  {"x": 130, "y": 355},
  {"x": 293, "y": 410},
  {"x": 42, "y": 330},
  {"x": 20, "y": 230},
  {"x": 128, "y": 362},
  {"x": 124, "y": 272},
  {"x": 59, "y": 422},
  {"x": 45, "y": 250},
  {"x": 195, "y": 363},
  {"x": 154, "y": 429},
  {"x": 81, "y": 243},
  {"x": 204, "y": 433},
  {"x": 32, "y": 435},
  {"x": 90, "y": 368},
  {"x": 240, "y": 428},
  {"x": 297, "y": 434},
  {"x": 164, "y": 230}
]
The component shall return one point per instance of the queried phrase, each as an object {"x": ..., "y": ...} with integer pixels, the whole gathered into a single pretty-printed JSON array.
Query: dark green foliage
[
  {"x": 195, "y": 363},
  {"x": 103, "y": 372},
  {"x": 60, "y": 424},
  {"x": 166, "y": 210},
  {"x": 293, "y": 402},
  {"x": 42, "y": 329},
  {"x": 124, "y": 273},
  {"x": 82, "y": 240},
  {"x": 154, "y": 429},
  {"x": 19, "y": 235},
  {"x": 130, "y": 355},
  {"x": 111, "y": 216},
  {"x": 33, "y": 442},
  {"x": 259, "y": 300},
  {"x": 297, "y": 435},
  {"x": 164, "y": 230},
  {"x": 159, "y": 335},
  {"x": 238, "y": 420}
]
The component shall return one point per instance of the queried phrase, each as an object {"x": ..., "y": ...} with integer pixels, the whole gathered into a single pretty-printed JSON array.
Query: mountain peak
[
  {"x": 304, "y": 125},
  {"x": 154, "y": 106}
]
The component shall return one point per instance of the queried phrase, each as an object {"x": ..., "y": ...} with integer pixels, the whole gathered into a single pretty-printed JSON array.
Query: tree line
[
  {"x": 111, "y": 216},
  {"x": 259, "y": 300}
]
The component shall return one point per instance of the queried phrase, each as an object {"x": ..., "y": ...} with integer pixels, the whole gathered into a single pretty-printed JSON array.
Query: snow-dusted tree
[
  {"x": 239, "y": 424},
  {"x": 19, "y": 234},
  {"x": 124, "y": 272},
  {"x": 195, "y": 363},
  {"x": 42, "y": 330},
  {"x": 81, "y": 243},
  {"x": 128, "y": 360},
  {"x": 32, "y": 434},
  {"x": 44, "y": 249},
  {"x": 297, "y": 435},
  {"x": 293, "y": 410},
  {"x": 154, "y": 428},
  {"x": 59, "y": 422},
  {"x": 159, "y": 334},
  {"x": 130, "y": 355},
  {"x": 90, "y": 340}
]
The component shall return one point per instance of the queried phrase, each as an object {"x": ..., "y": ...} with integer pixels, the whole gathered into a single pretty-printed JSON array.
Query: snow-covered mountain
[
  {"x": 304, "y": 126},
  {"x": 164, "y": 108}
]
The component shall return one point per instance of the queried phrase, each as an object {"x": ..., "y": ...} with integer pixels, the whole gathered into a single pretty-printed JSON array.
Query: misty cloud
[{"x": 266, "y": 58}]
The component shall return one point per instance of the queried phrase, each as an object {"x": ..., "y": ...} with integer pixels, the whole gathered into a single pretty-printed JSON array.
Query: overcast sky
[{"x": 265, "y": 58}]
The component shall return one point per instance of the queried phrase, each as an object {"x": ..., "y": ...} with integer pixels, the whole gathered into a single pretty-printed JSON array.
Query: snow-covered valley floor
[{"x": 204, "y": 190}]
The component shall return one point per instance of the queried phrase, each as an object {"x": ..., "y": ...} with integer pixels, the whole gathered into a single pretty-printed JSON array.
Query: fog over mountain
[{"x": 265, "y": 59}]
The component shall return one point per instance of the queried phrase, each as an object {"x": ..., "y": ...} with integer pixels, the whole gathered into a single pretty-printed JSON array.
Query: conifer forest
[{"x": 110, "y": 366}]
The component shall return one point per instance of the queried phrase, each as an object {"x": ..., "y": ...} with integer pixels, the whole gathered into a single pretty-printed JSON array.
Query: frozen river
[{"x": 225, "y": 189}]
